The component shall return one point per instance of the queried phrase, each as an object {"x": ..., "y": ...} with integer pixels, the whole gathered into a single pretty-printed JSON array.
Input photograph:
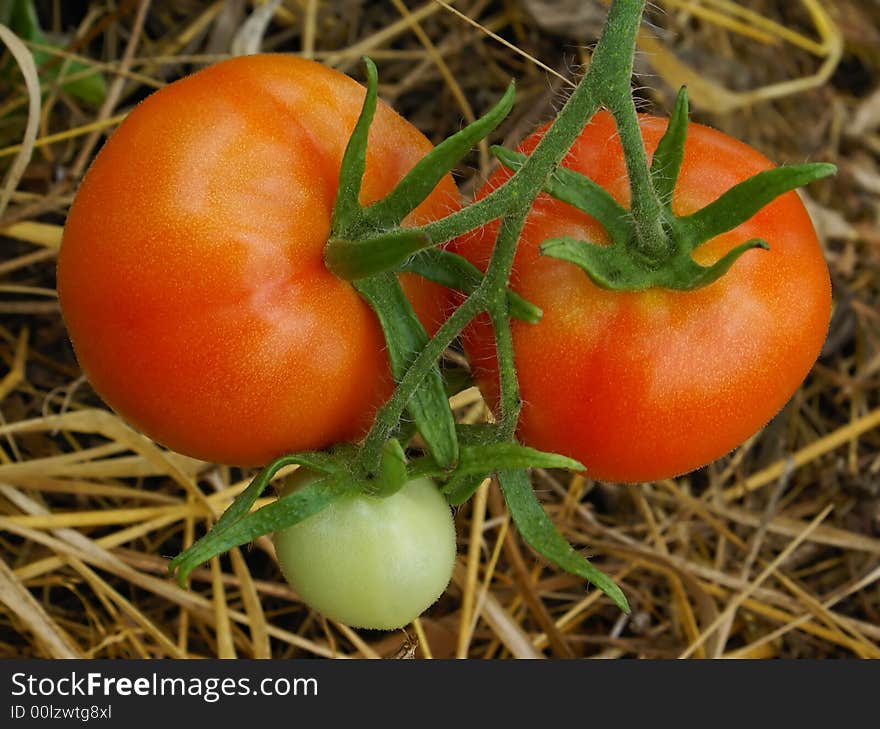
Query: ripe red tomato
[
  {"x": 650, "y": 384},
  {"x": 191, "y": 271}
]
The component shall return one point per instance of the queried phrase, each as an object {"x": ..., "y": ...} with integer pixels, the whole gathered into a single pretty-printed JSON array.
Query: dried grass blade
[
  {"x": 25, "y": 61},
  {"x": 18, "y": 599}
]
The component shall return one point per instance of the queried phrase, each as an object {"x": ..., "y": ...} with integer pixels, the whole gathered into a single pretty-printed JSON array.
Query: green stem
[
  {"x": 379, "y": 466},
  {"x": 470, "y": 217},
  {"x": 389, "y": 414},
  {"x": 606, "y": 82},
  {"x": 611, "y": 75},
  {"x": 646, "y": 209},
  {"x": 511, "y": 402}
]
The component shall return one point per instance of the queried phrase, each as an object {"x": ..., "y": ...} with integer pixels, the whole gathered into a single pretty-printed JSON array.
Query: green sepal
[
  {"x": 315, "y": 461},
  {"x": 541, "y": 534},
  {"x": 688, "y": 275},
  {"x": 478, "y": 462},
  {"x": 88, "y": 84},
  {"x": 507, "y": 455},
  {"x": 605, "y": 265},
  {"x": 455, "y": 272},
  {"x": 745, "y": 199},
  {"x": 580, "y": 192},
  {"x": 611, "y": 268},
  {"x": 480, "y": 456},
  {"x": 392, "y": 469},
  {"x": 615, "y": 267},
  {"x": 457, "y": 380},
  {"x": 669, "y": 154},
  {"x": 347, "y": 208},
  {"x": 618, "y": 266},
  {"x": 488, "y": 457},
  {"x": 473, "y": 434},
  {"x": 357, "y": 259},
  {"x": 460, "y": 488},
  {"x": 367, "y": 241},
  {"x": 433, "y": 167},
  {"x": 405, "y": 338},
  {"x": 286, "y": 511}
]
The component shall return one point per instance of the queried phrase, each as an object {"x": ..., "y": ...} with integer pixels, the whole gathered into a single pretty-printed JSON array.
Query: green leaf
[
  {"x": 406, "y": 337},
  {"x": 433, "y": 167},
  {"x": 286, "y": 511},
  {"x": 539, "y": 531},
  {"x": 347, "y": 208},
  {"x": 80, "y": 80},
  {"x": 22, "y": 18},
  {"x": 670, "y": 151},
  {"x": 742, "y": 201},
  {"x": 580, "y": 192},
  {"x": 455, "y": 272}
]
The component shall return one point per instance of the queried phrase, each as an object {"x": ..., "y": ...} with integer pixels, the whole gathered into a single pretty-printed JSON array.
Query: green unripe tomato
[{"x": 369, "y": 561}]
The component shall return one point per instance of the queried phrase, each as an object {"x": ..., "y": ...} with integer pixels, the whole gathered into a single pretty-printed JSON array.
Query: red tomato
[
  {"x": 650, "y": 384},
  {"x": 191, "y": 272}
]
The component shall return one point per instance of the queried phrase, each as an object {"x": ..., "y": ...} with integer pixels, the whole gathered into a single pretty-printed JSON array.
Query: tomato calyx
[
  {"x": 344, "y": 471},
  {"x": 369, "y": 245},
  {"x": 369, "y": 240},
  {"x": 643, "y": 254},
  {"x": 239, "y": 525}
]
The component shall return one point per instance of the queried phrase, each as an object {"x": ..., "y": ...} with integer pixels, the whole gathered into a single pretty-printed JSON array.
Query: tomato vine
[{"x": 368, "y": 246}]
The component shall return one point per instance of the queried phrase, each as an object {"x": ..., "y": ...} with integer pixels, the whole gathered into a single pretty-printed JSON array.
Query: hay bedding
[{"x": 773, "y": 551}]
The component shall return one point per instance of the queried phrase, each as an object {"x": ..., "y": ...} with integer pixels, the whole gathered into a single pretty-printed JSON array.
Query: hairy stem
[
  {"x": 389, "y": 414},
  {"x": 610, "y": 74}
]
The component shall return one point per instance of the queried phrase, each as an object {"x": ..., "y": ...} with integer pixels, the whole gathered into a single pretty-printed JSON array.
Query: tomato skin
[
  {"x": 372, "y": 562},
  {"x": 191, "y": 272},
  {"x": 646, "y": 385}
]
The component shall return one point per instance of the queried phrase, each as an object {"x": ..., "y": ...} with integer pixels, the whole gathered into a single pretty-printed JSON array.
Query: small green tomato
[{"x": 369, "y": 561}]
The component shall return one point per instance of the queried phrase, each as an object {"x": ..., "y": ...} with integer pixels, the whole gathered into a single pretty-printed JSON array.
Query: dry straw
[{"x": 772, "y": 552}]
